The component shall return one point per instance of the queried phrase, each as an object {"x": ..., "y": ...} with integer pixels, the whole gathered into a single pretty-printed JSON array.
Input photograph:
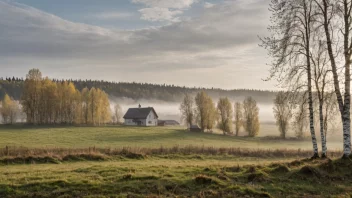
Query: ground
[
  {"x": 156, "y": 177},
  {"x": 120, "y": 136},
  {"x": 117, "y": 161}
]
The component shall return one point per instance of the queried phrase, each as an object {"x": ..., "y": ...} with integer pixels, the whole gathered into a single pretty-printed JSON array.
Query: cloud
[
  {"x": 113, "y": 15},
  {"x": 160, "y": 14},
  {"x": 163, "y": 10},
  {"x": 219, "y": 48},
  {"x": 176, "y": 4},
  {"x": 208, "y": 5}
]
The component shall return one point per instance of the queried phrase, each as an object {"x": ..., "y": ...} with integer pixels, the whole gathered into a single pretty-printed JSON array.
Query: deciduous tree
[
  {"x": 238, "y": 117},
  {"x": 283, "y": 113},
  {"x": 187, "y": 110},
  {"x": 9, "y": 110},
  {"x": 225, "y": 115},
  {"x": 251, "y": 117}
]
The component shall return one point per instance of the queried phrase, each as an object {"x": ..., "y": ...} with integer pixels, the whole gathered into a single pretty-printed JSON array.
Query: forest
[{"x": 168, "y": 93}]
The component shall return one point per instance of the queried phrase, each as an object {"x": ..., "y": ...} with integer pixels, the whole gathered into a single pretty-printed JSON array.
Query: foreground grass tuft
[
  {"x": 159, "y": 177},
  {"x": 203, "y": 179}
]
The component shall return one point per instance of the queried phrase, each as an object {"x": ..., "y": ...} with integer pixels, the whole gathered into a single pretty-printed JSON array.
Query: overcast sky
[{"x": 207, "y": 43}]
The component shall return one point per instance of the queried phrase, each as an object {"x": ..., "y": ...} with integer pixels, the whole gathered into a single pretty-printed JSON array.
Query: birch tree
[
  {"x": 289, "y": 45},
  {"x": 322, "y": 82},
  {"x": 31, "y": 95},
  {"x": 336, "y": 21}
]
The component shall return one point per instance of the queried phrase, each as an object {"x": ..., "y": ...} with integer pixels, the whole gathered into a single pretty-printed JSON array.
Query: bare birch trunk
[
  {"x": 309, "y": 74},
  {"x": 311, "y": 117},
  {"x": 344, "y": 104},
  {"x": 347, "y": 102},
  {"x": 322, "y": 133}
]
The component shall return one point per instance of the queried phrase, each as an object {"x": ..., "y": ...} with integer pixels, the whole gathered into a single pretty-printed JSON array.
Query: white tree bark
[{"x": 343, "y": 102}]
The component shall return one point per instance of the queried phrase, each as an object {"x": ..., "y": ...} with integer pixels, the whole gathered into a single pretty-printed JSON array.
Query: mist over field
[{"x": 170, "y": 110}]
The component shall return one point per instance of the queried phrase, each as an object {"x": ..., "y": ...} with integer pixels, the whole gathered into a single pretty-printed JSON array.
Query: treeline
[
  {"x": 45, "y": 101},
  {"x": 170, "y": 93},
  {"x": 204, "y": 113}
]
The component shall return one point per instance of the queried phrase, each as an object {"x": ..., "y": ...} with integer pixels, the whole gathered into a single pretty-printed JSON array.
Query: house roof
[
  {"x": 139, "y": 113},
  {"x": 170, "y": 122}
]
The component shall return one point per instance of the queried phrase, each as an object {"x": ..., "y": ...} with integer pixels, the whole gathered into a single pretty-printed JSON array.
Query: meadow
[
  {"x": 153, "y": 137},
  {"x": 188, "y": 177},
  {"x": 118, "y": 161}
]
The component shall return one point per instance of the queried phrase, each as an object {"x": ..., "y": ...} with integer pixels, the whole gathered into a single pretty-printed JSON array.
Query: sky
[{"x": 202, "y": 43}]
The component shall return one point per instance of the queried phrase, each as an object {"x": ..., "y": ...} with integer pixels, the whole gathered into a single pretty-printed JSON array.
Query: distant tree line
[
  {"x": 170, "y": 93},
  {"x": 203, "y": 112}
]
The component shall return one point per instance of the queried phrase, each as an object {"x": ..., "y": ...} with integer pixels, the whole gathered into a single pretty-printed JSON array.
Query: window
[{"x": 150, "y": 122}]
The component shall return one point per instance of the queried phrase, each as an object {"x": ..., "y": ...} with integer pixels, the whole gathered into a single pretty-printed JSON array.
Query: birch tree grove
[
  {"x": 321, "y": 79},
  {"x": 318, "y": 33},
  {"x": 47, "y": 102},
  {"x": 335, "y": 18},
  {"x": 289, "y": 46}
]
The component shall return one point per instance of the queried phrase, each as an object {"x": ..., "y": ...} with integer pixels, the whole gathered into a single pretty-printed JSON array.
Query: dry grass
[
  {"x": 52, "y": 155},
  {"x": 178, "y": 178}
]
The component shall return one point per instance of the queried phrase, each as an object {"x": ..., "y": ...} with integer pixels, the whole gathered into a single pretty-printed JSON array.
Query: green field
[
  {"x": 155, "y": 177},
  {"x": 60, "y": 162},
  {"x": 120, "y": 136}
]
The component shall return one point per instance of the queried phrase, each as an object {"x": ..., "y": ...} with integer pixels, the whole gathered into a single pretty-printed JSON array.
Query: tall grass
[{"x": 23, "y": 152}]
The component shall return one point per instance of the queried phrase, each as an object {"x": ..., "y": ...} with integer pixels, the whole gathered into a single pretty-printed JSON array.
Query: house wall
[
  {"x": 129, "y": 122},
  {"x": 152, "y": 120}
]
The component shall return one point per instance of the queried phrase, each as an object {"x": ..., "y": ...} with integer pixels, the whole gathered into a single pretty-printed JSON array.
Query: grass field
[
  {"x": 120, "y": 136},
  {"x": 157, "y": 177},
  {"x": 118, "y": 161}
]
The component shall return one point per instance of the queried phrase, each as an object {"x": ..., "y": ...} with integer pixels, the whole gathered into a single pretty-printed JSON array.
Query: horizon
[
  {"x": 155, "y": 84},
  {"x": 197, "y": 43}
]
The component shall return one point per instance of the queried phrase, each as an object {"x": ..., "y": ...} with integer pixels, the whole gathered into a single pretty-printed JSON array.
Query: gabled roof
[
  {"x": 139, "y": 113},
  {"x": 170, "y": 122}
]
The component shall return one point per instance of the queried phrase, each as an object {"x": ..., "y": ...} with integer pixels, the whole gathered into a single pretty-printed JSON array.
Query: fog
[{"x": 170, "y": 110}]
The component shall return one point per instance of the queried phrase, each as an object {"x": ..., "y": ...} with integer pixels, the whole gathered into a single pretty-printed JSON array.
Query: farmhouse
[{"x": 141, "y": 117}]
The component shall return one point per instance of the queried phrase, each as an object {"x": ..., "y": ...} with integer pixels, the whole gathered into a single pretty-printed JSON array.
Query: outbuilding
[{"x": 195, "y": 128}]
